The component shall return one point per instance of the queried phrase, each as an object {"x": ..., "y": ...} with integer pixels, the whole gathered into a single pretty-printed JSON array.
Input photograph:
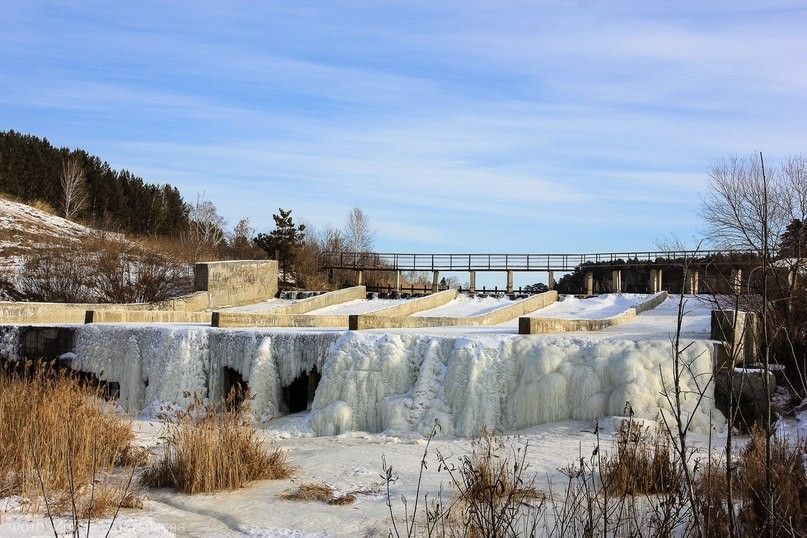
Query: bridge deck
[{"x": 375, "y": 261}]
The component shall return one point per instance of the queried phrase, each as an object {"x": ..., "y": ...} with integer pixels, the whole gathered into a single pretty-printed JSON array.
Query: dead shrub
[
  {"x": 492, "y": 496},
  {"x": 641, "y": 464},
  {"x": 788, "y": 516},
  {"x": 214, "y": 447},
  {"x": 318, "y": 492},
  {"x": 102, "y": 270},
  {"x": 56, "y": 435}
]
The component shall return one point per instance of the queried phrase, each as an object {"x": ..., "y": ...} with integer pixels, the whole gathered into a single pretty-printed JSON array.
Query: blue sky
[{"x": 457, "y": 126}]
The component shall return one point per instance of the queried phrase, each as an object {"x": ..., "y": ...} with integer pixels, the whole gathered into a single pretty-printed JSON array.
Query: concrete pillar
[
  {"x": 616, "y": 281},
  {"x": 436, "y": 282},
  {"x": 473, "y": 281},
  {"x": 397, "y": 281},
  {"x": 655, "y": 281},
  {"x": 737, "y": 281},
  {"x": 509, "y": 281},
  {"x": 359, "y": 277},
  {"x": 692, "y": 282},
  {"x": 550, "y": 280},
  {"x": 589, "y": 283}
]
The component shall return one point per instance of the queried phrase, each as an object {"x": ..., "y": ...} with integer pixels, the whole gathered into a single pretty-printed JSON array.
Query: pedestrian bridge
[{"x": 360, "y": 262}]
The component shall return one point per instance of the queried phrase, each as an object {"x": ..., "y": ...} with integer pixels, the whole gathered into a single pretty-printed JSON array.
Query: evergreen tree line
[{"x": 31, "y": 169}]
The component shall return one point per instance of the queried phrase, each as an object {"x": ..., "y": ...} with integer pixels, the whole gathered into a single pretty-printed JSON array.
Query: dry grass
[
  {"x": 491, "y": 494},
  {"x": 642, "y": 463},
  {"x": 44, "y": 206},
  {"x": 212, "y": 448},
  {"x": 56, "y": 436},
  {"x": 789, "y": 478},
  {"x": 318, "y": 492}
]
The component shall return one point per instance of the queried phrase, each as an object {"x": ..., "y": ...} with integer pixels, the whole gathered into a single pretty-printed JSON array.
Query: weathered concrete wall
[
  {"x": 500, "y": 315},
  {"x": 413, "y": 306},
  {"x": 236, "y": 282},
  {"x": 527, "y": 325},
  {"x": 321, "y": 301},
  {"x": 244, "y": 319},
  {"x": 739, "y": 332},
  {"x": 147, "y": 316}
]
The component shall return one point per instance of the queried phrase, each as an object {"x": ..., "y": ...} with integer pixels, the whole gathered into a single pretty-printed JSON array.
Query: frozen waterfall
[{"x": 399, "y": 382}]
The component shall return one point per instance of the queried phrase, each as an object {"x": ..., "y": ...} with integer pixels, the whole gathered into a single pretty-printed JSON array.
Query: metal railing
[{"x": 377, "y": 261}]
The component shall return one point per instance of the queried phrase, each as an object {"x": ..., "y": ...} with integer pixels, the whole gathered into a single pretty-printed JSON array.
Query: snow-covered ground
[
  {"x": 600, "y": 307},
  {"x": 349, "y": 463},
  {"x": 256, "y": 308},
  {"x": 465, "y": 306},
  {"x": 358, "y": 306}
]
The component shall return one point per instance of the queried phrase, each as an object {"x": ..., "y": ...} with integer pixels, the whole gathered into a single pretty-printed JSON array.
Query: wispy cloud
[{"x": 559, "y": 125}]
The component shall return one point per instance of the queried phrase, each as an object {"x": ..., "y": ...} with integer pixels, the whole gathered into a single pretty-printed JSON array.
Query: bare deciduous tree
[
  {"x": 745, "y": 210},
  {"x": 359, "y": 234},
  {"x": 73, "y": 183},
  {"x": 206, "y": 225}
]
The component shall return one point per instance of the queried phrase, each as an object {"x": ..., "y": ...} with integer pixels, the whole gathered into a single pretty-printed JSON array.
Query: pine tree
[{"x": 283, "y": 242}]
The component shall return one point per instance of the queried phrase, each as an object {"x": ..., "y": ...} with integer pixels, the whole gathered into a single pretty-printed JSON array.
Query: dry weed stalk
[
  {"x": 318, "y": 492},
  {"x": 56, "y": 436},
  {"x": 215, "y": 447}
]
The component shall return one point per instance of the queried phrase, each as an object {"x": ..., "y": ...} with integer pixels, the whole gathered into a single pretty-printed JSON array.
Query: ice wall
[
  {"x": 163, "y": 366},
  {"x": 406, "y": 382},
  {"x": 9, "y": 343},
  {"x": 399, "y": 382}
]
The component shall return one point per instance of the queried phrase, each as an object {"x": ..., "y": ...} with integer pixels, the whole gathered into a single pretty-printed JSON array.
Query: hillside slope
[{"x": 46, "y": 257}]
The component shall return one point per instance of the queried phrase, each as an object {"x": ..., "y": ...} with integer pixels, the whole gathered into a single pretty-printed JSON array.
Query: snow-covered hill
[{"x": 24, "y": 230}]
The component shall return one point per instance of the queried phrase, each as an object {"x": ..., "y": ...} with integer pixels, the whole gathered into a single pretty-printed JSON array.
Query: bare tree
[
  {"x": 748, "y": 206},
  {"x": 241, "y": 237},
  {"x": 206, "y": 225},
  {"x": 73, "y": 183},
  {"x": 359, "y": 234}
]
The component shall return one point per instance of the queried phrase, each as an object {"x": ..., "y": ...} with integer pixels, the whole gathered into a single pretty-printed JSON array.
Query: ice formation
[
  {"x": 9, "y": 343},
  {"x": 399, "y": 382},
  {"x": 405, "y": 382},
  {"x": 172, "y": 366}
]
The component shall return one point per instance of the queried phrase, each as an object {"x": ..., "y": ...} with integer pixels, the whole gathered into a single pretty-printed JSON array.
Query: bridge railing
[{"x": 380, "y": 261}]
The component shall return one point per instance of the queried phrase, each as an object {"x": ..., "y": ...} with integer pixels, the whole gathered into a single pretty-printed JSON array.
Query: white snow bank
[
  {"x": 600, "y": 307},
  {"x": 263, "y": 306},
  {"x": 357, "y": 306},
  {"x": 397, "y": 382},
  {"x": 465, "y": 306},
  {"x": 18, "y": 524}
]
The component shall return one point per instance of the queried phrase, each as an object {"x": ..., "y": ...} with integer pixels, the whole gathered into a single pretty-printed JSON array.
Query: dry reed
[
  {"x": 641, "y": 464},
  {"x": 56, "y": 435},
  {"x": 214, "y": 447},
  {"x": 318, "y": 492}
]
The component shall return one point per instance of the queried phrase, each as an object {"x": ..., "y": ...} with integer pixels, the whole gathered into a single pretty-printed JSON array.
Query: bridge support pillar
[
  {"x": 616, "y": 281},
  {"x": 656, "y": 282},
  {"x": 359, "y": 277},
  {"x": 550, "y": 280},
  {"x": 397, "y": 281},
  {"x": 737, "y": 281},
  {"x": 509, "y": 281},
  {"x": 436, "y": 282},
  {"x": 693, "y": 282},
  {"x": 472, "y": 275},
  {"x": 589, "y": 283}
]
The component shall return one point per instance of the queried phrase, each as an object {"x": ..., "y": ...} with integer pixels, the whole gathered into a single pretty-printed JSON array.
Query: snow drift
[{"x": 399, "y": 382}]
